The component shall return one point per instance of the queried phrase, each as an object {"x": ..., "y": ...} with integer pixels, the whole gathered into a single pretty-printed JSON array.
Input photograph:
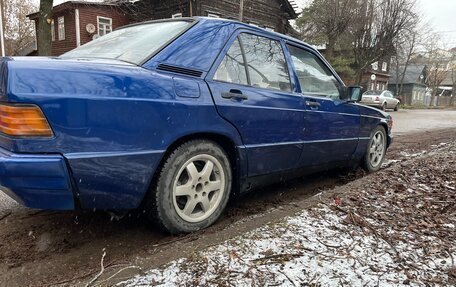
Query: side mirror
[{"x": 353, "y": 94}]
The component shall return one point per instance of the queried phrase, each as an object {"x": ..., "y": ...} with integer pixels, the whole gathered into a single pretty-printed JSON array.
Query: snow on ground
[
  {"x": 314, "y": 247},
  {"x": 397, "y": 231}
]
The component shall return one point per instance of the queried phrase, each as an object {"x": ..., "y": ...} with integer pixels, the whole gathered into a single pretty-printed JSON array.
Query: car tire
[
  {"x": 376, "y": 149},
  {"x": 396, "y": 108},
  {"x": 192, "y": 188},
  {"x": 384, "y": 107}
]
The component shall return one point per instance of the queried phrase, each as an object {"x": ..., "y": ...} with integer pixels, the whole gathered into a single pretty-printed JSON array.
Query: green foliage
[{"x": 343, "y": 66}]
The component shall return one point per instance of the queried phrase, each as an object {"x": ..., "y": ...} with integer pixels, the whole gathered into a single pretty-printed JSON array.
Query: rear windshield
[{"x": 132, "y": 44}]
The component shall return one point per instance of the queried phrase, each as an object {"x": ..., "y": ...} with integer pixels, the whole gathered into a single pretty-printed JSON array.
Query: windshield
[{"x": 132, "y": 44}]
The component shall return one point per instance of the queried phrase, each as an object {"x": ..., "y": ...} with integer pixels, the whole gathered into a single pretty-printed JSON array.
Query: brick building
[{"x": 75, "y": 23}]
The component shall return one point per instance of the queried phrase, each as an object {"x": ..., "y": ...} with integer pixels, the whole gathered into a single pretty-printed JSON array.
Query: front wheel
[
  {"x": 396, "y": 108},
  {"x": 384, "y": 107},
  {"x": 376, "y": 149},
  {"x": 192, "y": 189}
]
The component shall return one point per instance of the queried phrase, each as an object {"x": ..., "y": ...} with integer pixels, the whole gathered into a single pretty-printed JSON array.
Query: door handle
[
  {"x": 312, "y": 104},
  {"x": 234, "y": 94}
]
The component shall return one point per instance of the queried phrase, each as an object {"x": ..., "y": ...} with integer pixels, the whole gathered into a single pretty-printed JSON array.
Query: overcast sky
[{"x": 441, "y": 14}]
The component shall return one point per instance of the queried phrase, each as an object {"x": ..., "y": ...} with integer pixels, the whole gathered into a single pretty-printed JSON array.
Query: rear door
[
  {"x": 252, "y": 89},
  {"x": 332, "y": 124}
]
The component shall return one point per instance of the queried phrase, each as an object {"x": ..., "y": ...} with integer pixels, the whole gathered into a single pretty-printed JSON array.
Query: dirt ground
[{"x": 42, "y": 248}]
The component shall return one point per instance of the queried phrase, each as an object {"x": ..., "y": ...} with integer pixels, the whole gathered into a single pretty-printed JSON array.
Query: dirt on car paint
[{"x": 43, "y": 248}]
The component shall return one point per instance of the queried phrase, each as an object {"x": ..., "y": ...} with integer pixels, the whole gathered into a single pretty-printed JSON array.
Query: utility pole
[
  {"x": 241, "y": 10},
  {"x": 2, "y": 38}
]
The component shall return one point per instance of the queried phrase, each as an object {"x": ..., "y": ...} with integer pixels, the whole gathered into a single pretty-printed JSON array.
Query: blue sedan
[{"x": 175, "y": 116}]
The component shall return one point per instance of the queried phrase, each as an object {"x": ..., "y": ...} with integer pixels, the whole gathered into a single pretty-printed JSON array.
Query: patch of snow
[{"x": 311, "y": 248}]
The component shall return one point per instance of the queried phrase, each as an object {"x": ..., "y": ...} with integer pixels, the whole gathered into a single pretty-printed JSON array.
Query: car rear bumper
[{"x": 36, "y": 181}]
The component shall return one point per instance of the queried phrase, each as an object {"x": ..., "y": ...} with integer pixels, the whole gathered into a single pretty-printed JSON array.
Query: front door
[
  {"x": 252, "y": 89},
  {"x": 332, "y": 124}
]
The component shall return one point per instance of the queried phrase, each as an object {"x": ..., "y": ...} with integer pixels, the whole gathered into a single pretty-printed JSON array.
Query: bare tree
[
  {"x": 325, "y": 22},
  {"x": 376, "y": 25},
  {"x": 453, "y": 79},
  {"x": 19, "y": 31},
  {"x": 44, "y": 28},
  {"x": 404, "y": 47}
]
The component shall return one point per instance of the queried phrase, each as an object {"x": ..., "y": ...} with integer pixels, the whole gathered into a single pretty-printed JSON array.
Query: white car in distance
[{"x": 380, "y": 99}]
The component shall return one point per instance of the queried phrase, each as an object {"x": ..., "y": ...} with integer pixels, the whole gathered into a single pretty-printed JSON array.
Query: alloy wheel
[
  {"x": 377, "y": 149},
  {"x": 198, "y": 188}
]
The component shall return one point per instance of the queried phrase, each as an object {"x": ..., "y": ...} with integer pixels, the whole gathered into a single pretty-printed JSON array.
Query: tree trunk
[
  {"x": 44, "y": 28},
  {"x": 330, "y": 49},
  {"x": 433, "y": 95},
  {"x": 453, "y": 95}
]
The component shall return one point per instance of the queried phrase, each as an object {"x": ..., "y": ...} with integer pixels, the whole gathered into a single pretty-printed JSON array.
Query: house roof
[
  {"x": 71, "y": 4},
  {"x": 448, "y": 81},
  {"x": 411, "y": 76}
]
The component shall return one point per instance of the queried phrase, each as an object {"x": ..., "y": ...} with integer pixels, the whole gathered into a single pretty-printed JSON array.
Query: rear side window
[
  {"x": 314, "y": 77},
  {"x": 265, "y": 61},
  {"x": 232, "y": 68}
]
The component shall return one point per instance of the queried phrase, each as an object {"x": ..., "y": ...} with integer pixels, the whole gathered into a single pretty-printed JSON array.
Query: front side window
[
  {"x": 265, "y": 62},
  {"x": 232, "y": 68},
  {"x": 104, "y": 26},
  {"x": 133, "y": 44},
  {"x": 61, "y": 28},
  {"x": 314, "y": 77}
]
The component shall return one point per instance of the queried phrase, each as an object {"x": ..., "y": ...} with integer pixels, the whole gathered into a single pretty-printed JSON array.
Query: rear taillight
[
  {"x": 23, "y": 121},
  {"x": 390, "y": 123}
]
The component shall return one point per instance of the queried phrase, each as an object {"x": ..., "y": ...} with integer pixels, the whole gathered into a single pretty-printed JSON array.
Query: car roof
[{"x": 236, "y": 22}]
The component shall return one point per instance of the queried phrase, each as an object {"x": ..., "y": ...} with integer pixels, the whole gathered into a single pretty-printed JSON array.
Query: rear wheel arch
[
  {"x": 227, "y": 144},
  {"x": 156, "y": 203}
]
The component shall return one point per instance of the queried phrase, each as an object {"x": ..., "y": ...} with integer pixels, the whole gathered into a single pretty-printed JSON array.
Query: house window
[
  {"x": 384, "y": 66},
  {"x": 52, "y": 31},
  {"x": 177, "y": 15},
  {"x": 375, "y": 66},
  {"x": 61, "y": 28},
  {"x": 104, "y": 25}
]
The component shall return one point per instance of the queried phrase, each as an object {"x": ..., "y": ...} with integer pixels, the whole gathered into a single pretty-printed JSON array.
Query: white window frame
[
  {"x": 176, "y": 15},
  {"x": 384, "y": 66},
  {"x": 375, "y": 66},
  {"x": 212, "y": 15},
  {"x": 104, "y": 25},
  {"x": 61, "y": 28},
  {"x": 52, "y": 30}
]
